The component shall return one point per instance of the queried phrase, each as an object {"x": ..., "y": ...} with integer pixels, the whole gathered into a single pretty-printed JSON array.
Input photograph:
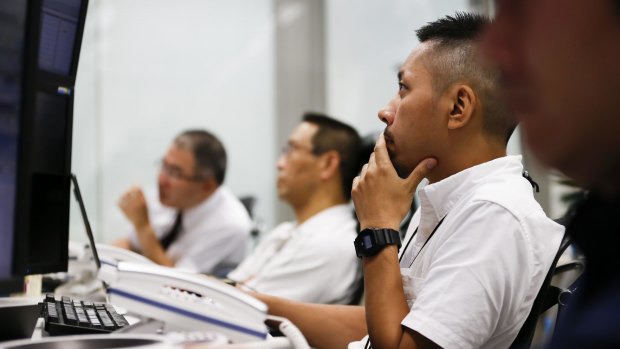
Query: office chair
[
  {"x": 548, "y": 296},
  {"x": 249, "y": 202}
]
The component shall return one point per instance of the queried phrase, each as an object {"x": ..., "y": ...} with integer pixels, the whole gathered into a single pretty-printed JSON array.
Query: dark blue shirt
[{"x": 592, "y": 318}]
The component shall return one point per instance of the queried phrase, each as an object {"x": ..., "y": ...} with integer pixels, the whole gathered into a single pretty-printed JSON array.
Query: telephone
[
  {"x": 112, "y": 254},
  {"x": 185, "y": 301}
]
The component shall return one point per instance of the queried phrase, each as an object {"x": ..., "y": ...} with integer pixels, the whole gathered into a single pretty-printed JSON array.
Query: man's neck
[
  {"x": 457, "y": 162},
  {"x": 311, "y": 207},
  {"x": 199, "y": 201}
]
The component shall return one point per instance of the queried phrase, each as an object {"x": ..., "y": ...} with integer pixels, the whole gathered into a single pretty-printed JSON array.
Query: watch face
[{"x": 370, "y": 241}]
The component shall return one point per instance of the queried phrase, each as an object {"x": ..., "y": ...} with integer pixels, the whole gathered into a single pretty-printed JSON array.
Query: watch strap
[{"x": 371, "y": 241}]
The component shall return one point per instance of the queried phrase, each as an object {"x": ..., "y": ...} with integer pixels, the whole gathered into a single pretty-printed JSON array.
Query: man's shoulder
[
  {"x": 512, "y": 192},
  {"x": 335, "y": 232},
  {"x": 513, "y": 199},
  {"x": 228, "y": 210}
]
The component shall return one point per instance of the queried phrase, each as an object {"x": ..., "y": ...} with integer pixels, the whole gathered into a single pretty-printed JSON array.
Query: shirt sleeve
[
  {"x": 294, "y": 273},
  {"x": 228, "y": 246},
  {"x": 261, "y": 254},
  {"x": 472, "y": 278}
]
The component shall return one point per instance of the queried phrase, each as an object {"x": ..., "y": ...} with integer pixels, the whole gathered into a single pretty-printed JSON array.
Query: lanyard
[
  {"x": 425, "y": 242},
  {"x": 368, "y": 346}
]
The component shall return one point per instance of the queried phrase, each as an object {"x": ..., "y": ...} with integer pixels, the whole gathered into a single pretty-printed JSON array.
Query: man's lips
[
  {"x": 389, "y": 141},
  {"x": 388, "y": 136}
]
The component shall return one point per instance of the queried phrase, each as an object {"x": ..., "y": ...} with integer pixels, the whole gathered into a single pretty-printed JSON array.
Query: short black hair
[
  {"x": 209, "y": 153},
  {"x": 453, "y": 57},
  {"x": 344, "y": 139},
  {"x": 462, "y": 26}
]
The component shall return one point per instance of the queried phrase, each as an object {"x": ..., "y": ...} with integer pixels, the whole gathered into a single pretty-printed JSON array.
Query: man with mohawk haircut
[{"x": 477, "y": 251}]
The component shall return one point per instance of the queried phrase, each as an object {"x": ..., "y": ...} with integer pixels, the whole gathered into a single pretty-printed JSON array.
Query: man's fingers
[
  {"x": 363, "y": 172},
  {"x": 372, "y": 161},
  {"x": 420, "y": 172},
  {"x": 381, "y": 154}
]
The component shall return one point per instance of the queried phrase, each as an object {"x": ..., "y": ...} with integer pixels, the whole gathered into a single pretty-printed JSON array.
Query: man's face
[
  {"x": 414, "y": 128},
  {"x": 559, "y": 61},
  {"x": 178, "y": 186},
  {"x": 298, "y": 171}
]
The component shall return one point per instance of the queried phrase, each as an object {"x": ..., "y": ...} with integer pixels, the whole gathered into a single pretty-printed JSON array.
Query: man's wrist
[
  {"x": 370, "y": 242},
  {"x": 143, "y": 228},
  {"x": 379, "y": 225}
]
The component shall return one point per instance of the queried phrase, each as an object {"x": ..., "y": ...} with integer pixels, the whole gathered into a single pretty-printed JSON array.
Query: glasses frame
[
  {"x": 289, "y": 148},
  {"x": 176, "y": 173}
]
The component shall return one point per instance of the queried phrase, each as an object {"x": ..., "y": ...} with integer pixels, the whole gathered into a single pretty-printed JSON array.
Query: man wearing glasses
[
  {"x": 311, "y": 258},
  {"x": 197, "y": 224}
]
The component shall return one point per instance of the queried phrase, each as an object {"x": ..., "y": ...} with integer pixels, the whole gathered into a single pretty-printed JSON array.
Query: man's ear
[
  {"x": 330, "y": 164},
  {"x": 209, "y": 184},
  {"x": 463, "y": 104}
]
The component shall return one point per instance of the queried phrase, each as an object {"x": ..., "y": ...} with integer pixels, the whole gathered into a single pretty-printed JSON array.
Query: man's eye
[
  {"x": 401, "y": 86},
  {"x": 174, "y": 172}
]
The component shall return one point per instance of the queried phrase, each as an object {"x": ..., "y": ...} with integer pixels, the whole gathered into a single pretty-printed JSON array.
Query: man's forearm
[
  {"x": 151, "y": 247},
  {"x": 385, "y": 301},
  {"x": 324, "y": 326},
  {"x": 124, "y": 243}
]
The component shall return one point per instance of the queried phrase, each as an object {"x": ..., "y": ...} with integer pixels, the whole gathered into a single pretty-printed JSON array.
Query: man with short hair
[
  {"x": 561, "y": 75},
  {"x": 311, "y": 259},
  {"x": 479, "y": 247},
  {"x": 197, "y": 224}
]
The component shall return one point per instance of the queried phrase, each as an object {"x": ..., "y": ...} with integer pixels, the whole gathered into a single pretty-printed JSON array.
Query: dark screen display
[
  {"x": 59, "y": 24},
  {"x": 49, "y": 133},
  {"x": 12, "y": 22}
]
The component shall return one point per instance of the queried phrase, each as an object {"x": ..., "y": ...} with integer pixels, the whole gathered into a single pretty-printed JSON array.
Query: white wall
[
  {"x": 151, "y": 68},
  {"x": 366, "y": 43}
]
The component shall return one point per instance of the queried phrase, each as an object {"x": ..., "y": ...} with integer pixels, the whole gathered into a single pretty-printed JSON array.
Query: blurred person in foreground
[{"x": 560, "y": 66}]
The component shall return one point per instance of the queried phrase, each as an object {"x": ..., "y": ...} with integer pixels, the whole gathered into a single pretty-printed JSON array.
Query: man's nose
[
  {"x": 281, "y": 161},
  {"x": 387, "y": 114},
  {"x": 163, "y": 178}
]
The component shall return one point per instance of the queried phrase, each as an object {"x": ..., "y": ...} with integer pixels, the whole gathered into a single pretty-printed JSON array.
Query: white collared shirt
[
  {"x": 473, "y": 284},
  {"x": 214, "y": 234},
  {"x": 312, "y": 262}
]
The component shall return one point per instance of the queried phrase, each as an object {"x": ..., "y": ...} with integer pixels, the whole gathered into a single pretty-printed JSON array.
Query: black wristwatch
[{"x": 371, "y": 241}]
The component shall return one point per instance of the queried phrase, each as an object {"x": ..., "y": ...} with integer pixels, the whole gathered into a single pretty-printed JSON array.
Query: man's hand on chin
[{"x": 380, "y": 196}]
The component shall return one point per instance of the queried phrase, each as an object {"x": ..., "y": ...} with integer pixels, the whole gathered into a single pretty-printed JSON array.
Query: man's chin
[
  {"x": 400, "y": 170},
  {"x": 164, "y": 200}
]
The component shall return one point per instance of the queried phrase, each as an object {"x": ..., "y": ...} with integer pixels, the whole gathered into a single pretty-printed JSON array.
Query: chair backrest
[{"x": 543, "y": 301}]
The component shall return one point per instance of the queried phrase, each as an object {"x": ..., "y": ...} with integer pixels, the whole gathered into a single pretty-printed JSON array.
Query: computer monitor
[{"x": 40, "y": 42}]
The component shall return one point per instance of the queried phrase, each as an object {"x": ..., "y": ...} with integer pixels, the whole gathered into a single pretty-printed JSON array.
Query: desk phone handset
[
  {"x": 185, "y": 301},
  {"x": 112, "y": 255}
]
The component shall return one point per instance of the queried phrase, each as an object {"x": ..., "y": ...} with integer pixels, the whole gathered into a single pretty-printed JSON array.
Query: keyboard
[{"x": 69, "y": 316}]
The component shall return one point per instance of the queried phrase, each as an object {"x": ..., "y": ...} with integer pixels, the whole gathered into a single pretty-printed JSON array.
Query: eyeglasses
[
  {"x": 289, "y": 148},
  {"x": 176, "y": 172}
]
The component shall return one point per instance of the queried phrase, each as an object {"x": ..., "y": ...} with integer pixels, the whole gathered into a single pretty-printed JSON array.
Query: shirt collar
[
  {"x": 437, "y": 199},
  {"x": 330, "y": 213},
  {"x": 198, "y": 213}
]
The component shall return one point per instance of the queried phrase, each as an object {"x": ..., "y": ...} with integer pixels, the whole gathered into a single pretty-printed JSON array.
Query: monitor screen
[
  {"x": 12, "y": 37},
  {"x": 59, "y": 28},
  {"x": 39, "y": 50}
]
